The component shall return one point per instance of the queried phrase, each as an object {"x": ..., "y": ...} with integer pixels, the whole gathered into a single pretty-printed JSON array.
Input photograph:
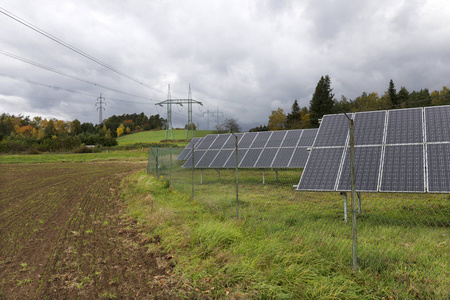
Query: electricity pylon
[
  {"x": 100, "y": 108},
  {"x": 218, "y": 113},
  {"x": 169, "y": 102}
]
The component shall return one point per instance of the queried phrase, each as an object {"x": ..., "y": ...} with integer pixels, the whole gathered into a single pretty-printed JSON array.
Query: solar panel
[
  {"x": 188, "y": 149},
  {"x": 231, "y": 142},
  {"x": 276, "y": 139},
  {"x": 438, "y": 158},
  {"x": 283, "y": 158},
  {"x": 261, "y": 139},
  {"x": 220, "y": 141},
  {"x": 404, "y": 126},
  {"x": 291, "y": 139},
  {"x": 367, "y": 169},
  {"x": 207, "y": 141},
  {"x": 250, "y": 158},
  {"x": 299, "y": 158},
  {"x": 206, "y": 159},
  {"x": 403, "y": 169},
  {"x": 369, "y": 127},
  {"x": 247, "y": 139},
  {"x": 198, "y": 154},
  {"x": 307, "y": 138},
  {"x": 221, "y": 158},
  {"x": 333, "y": 131},
  {"x": 323, "y": 176},
  {"x": 392, "y": 153},
  {"x": 266, "y": 158},
  {"x": 438, "y": 123},
  {"x": 231, "y": 163}
]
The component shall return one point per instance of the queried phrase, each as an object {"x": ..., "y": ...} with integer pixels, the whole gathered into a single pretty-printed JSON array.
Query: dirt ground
[{"x": 63, "y": 236}]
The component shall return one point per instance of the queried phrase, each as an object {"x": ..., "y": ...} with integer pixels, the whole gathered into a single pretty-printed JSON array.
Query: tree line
[
  {"x": 324, "y": 102},
  {"x": 21, "y": 133}
]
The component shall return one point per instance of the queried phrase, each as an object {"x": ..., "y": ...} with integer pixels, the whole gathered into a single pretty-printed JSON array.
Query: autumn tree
[
  {"x": 322, "y": 101},
  {"x": 228, "y": 125},
  {"x": 441, "y": 97},
  {"x": 277, "y": 120},
  {"x": 75, "y": 127}
]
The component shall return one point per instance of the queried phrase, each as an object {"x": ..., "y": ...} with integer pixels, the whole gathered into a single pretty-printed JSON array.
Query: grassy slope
[{"x": 157, "y": 136}]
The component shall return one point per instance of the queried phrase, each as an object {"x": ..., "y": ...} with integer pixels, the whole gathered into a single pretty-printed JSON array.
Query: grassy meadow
[
  {"x": 293, "y": 245},
  {"x": 158, "y": 136}
]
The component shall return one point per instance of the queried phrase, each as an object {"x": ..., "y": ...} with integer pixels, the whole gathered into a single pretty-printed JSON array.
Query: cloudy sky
[{"x": 242, "y": 57}]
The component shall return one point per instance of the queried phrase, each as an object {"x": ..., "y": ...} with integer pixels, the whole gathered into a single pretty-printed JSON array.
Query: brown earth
[{"x": 63, "y": 235}]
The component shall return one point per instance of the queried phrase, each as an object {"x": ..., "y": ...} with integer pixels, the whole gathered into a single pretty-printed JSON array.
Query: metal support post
[
  {"x": 345, "y": 205},
  {"x": 201, "y": 176},
  {"x": 276, "y": 172},
  {"x": 264, "y": 177},
  {"x": 359, "y": 202}
]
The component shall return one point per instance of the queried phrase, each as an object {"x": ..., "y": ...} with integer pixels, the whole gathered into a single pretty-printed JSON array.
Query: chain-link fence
[{"x": 405, "y": 235}]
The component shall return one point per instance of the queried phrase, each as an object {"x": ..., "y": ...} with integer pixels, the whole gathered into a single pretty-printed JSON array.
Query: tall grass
[{"x": 288, "y": 244}]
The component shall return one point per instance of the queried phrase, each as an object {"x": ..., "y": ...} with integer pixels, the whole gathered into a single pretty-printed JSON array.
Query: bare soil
[{"x": 63, "y": 235}]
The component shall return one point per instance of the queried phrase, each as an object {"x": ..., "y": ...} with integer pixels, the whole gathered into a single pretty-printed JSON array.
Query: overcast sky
[{"x": 243, "y": 57}]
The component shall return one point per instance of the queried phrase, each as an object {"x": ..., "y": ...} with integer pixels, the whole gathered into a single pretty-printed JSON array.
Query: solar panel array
[
  {"x": 404, "y": 150},
  {"x": 266, "y": 149}
]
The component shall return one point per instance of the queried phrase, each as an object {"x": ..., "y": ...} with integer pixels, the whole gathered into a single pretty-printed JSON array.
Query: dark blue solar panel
[
  {"x": 291, "y": 139},
  {"x": 261, "y": 139},
  {"x": 221, "y": 158},
  {"x": 367, "y": 169},
  {"x": 438, "y": 123},
  {"x": 247, "y": 139},
  {"x": 231, "y": 142},
  {"x": 220, "y": 141},
  {"x": 206, "y": 159},
  {"x": 323, "y": 175},
  {"x": 250, "y": 158},
  {"x": 283, "y": 158},
  {"x": 276, "y": 138},
  {"x": 188, "y": 148},
  {"x": 438, "y": 157},
  {"x": 207, "y": 141},
  {"x": 403, "y": 169},
  {"x": 299, "y": 158},
  {"x": 333, "y": 131},
  {"x": 198, "y": 154},
  {"x": 369, "y": 127},
  {"x": 231, "y": 163},
  {"x": 404, "y": 126},
  {"x": 307, "y": 138},
  {"x": 266, "y": 158}
]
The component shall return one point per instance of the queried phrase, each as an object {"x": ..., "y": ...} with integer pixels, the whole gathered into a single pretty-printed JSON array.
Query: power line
[
  {"x": 67, "y": 75},
  {"x": 73, "y": 48},
  {"x": 65, "y": 89}
]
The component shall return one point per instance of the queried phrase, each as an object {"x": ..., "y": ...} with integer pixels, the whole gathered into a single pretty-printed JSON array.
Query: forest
[{"x": 21, "y": 133}]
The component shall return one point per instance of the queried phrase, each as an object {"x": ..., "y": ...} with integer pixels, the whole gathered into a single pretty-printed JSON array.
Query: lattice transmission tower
[
  {"x": 169, "y": 101},
  {"x": 100, "y": 102}
]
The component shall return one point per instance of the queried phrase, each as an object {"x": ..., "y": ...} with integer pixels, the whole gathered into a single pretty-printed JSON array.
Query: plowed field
[{"x": 62, "y": 235}]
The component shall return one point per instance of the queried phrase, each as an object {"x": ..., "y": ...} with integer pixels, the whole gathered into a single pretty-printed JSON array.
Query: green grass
[
  {"x": 157, "y": 136},
  {"x": 111, "y": 155},
  {"x": 289, "y": 244}
]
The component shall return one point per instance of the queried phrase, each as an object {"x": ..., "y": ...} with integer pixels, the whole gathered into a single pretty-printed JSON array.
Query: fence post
[
  {"x": 353, "y": 182},
  {"x": 170, "y": 171},
  {"x": 237, "y": 182},
  {"x": 192, "y": 171},
  {"x": 157, "y": 163}
]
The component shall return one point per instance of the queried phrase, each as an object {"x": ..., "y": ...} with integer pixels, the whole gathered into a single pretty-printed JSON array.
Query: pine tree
[
  {"x": 392, "y": 94},
  {"x": 293, "y": 118},
  {"x": 322, "y": 101}
]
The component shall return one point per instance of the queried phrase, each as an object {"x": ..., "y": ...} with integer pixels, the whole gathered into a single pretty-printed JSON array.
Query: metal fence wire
[{"x": 407, "y": 234}]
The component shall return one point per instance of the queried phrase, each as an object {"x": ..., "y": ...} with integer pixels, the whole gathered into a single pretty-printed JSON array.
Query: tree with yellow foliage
[{"x": 277, "y": 120}]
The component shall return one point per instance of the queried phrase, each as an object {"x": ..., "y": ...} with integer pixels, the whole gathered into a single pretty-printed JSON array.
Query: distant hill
[{"x": 157, "y": 136}]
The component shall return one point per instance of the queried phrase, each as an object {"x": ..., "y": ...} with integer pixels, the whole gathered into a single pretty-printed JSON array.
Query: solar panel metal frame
[{"x": 443, "y": 156}]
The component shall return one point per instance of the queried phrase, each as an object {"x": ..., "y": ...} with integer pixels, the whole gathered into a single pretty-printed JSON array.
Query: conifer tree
[{"x": 322, "y": 101}]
